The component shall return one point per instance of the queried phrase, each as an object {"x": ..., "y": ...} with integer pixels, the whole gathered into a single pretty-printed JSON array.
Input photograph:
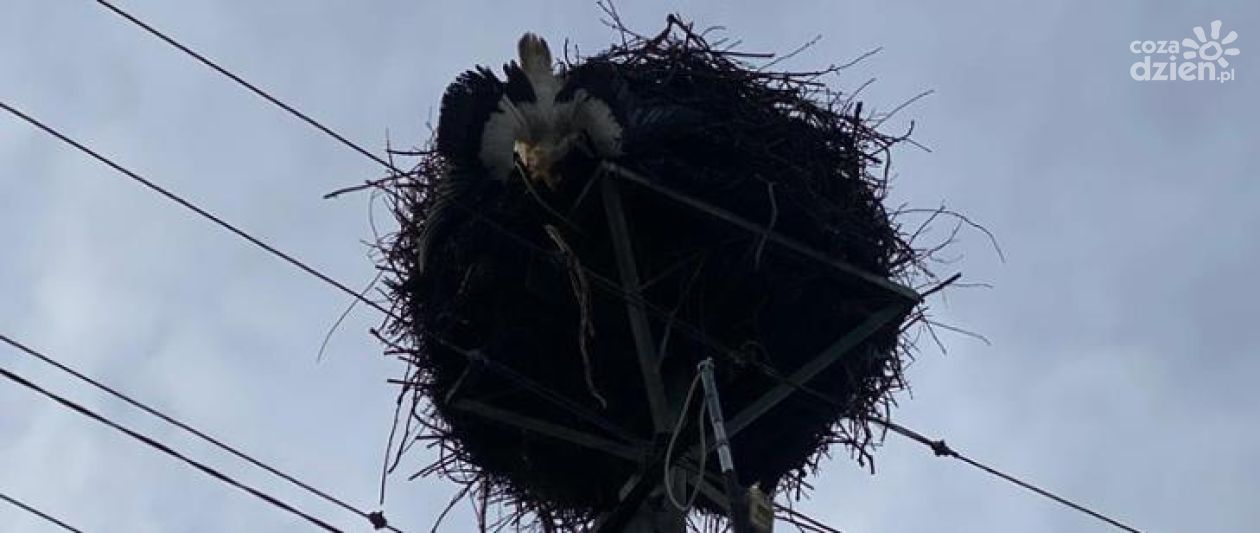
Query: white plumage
[{"x": 544, "y": 130}]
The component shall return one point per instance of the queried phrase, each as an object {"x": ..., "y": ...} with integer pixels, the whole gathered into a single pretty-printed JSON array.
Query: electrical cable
[
  {"x": 305, "y": 118},
  {"x": 167, "y": 450},
  {"x": 375, "y": 518},
  {"x": 47, "y": 517},
  {"x": 190, "y": 206},
  {"x": 940, "y": 449},
  {"x": 673, "y": 439}
]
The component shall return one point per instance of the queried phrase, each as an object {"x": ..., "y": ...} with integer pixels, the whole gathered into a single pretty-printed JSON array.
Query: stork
[
  {"x": 491, "y": 131},
  {"x": 536, "y": 119}
]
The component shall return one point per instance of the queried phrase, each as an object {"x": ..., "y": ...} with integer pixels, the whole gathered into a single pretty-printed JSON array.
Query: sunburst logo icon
[{"x": 1210, "y": 47}]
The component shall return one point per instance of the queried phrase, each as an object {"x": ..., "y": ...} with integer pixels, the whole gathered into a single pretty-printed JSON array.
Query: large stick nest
[{"x": 524, "y": 281}]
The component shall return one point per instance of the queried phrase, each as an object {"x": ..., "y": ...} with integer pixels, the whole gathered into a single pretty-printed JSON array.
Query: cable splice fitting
[{"x": 942, "y": 450}]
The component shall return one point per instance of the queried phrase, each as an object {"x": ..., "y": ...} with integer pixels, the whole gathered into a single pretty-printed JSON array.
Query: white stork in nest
[
  {"x": 533, "y": 124},
  {"x": 535, "y": 120}
]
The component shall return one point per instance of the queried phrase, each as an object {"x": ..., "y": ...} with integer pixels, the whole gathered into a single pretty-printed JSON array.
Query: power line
[
  {"x": 377, "y": 519},
  {"x": 305, "y": 118},
  {"x": 167, "y": 450},
  {"x": 802, "y": 520},
  {"x": 939, "y": 448},
  {"x": 943, "y": 450},
  {"x": 190, "y": 206},
  {"x": 49, "y": 518}
]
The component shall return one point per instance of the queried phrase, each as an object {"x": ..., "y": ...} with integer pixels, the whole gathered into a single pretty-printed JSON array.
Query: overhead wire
[
  {"x": 31, "y": 509},
  {"x": 941, "y": 449},
  {"x": 375, "y": 518},
  {"x": 276, "y": 101},
  {"x": 152, "y": 443},
  {"x": 190, "y": 206},
  {"x": 802, "y": 520}
]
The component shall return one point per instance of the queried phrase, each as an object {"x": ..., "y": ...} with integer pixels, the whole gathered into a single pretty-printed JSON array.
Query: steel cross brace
[
  {"x": 633, "y": 451},
  {"x": 640, "y": 328},
  {"x": 898, "y": 290},
  {"x": 813, "y": 367}
]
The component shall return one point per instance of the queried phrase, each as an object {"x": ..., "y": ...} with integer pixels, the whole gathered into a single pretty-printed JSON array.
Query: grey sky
[{"x": 1123, "y": 358}]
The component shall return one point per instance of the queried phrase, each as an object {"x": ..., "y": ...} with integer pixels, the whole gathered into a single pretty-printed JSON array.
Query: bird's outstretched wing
[
  {"x": 518, "y": 87},
  {"x": 466, "y": 107}
]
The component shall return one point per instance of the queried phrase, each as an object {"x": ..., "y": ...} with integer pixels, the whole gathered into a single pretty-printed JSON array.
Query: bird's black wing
[
  {"x": 466, "y": 106},
  {"x": 518, "y": 88}
]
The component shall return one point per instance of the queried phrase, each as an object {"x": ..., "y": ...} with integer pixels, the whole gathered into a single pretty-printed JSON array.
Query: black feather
[
  {"x": 466, "y": 106},
  {"x": 519, "y": 89}
]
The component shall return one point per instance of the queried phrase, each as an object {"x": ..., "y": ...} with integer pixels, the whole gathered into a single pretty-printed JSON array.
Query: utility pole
[{"x": 654, "y": 514}]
